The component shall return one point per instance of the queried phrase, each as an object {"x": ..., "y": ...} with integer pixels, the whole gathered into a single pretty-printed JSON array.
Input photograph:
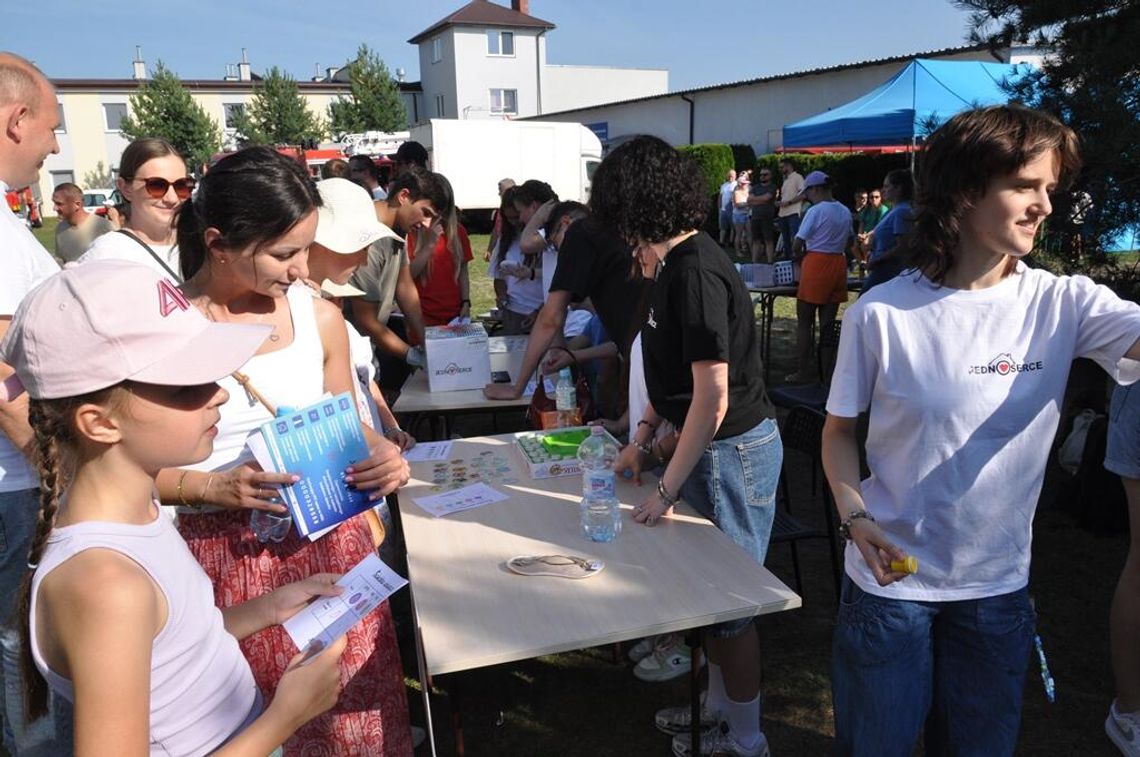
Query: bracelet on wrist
[
  {"x": 642, "y": 447},
  {"x": 667, "y": 499},
  {"x": 845, "y": 525}
]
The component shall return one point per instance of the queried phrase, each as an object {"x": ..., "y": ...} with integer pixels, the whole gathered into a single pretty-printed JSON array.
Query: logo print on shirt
[
  {"x": 170, "y": 298},
  {"x": 649, "y": 320},
  {"x": 1005, "y": 365}
]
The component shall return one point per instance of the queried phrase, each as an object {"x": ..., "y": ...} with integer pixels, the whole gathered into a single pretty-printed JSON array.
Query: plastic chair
[
  {"x": 813, "y": 395},
  {"x": 802, "y": 435}
]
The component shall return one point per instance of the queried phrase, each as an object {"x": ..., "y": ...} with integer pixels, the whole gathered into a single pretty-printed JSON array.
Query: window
[
  {"x": 439, "y": 113},
  {"x": 62, "y": 121},
  {"x": 113, "y": 114},
  {"x": 232, "y": 111},
  {"x": 437, "y": 50},
  {"x": 505, "y": 101},
  {"x": 62, "y": 177},
  {"x": 500, "y": 43}
]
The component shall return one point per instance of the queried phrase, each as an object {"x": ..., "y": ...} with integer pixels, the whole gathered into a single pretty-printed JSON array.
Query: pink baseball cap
[{"x": 95, "y": 325}]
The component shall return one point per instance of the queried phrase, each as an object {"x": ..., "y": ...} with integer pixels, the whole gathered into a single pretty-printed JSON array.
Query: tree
[
  {"x": 101, "y": 176},
  {"x": 1091, "y": 81},
  {"x": 162, "y": 107},
  {"x": 374, "y": 102},
  {"x": 277, "y": 114}
]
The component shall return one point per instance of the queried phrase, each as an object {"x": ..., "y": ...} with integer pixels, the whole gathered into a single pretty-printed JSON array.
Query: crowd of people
[{"x": 146, "y": 609}]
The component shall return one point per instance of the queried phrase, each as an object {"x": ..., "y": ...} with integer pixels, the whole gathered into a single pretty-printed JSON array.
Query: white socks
[
  {"x": 716, "y": 700},
  {"x": 744, "y": 721}
]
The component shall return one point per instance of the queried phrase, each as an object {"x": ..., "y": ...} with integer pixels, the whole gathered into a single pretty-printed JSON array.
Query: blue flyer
[{"x": 317, "y": 443}]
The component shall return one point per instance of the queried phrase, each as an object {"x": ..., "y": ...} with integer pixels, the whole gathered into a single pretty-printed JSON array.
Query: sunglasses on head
[{"x": 157, "y": 187}]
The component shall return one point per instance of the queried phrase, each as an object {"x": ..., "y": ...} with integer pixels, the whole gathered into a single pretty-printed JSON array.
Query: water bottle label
[{"x": 599, "y": 484}]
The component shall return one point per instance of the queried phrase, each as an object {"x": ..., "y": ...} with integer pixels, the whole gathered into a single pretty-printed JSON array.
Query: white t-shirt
[
  {"x": 826, "y": 227},
  {"x": 26, "y": 264},
  {"x": 116, "y": 246},
  {"x": 965, "y": 389},
  {"x": 524, "y": 295}
]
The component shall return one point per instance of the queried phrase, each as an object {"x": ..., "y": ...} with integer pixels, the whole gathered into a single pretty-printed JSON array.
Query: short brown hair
[
  {"x": 140, "y": 151},
  {"x": 958, "y": 163},
  {"x": 69, "y": 191}
]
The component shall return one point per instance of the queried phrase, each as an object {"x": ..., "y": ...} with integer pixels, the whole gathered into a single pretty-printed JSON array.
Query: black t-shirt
[
  {"x": 700, "y": 310},
  {"x": 769, "y": 208},
  {"x": 593, "y": 263}
]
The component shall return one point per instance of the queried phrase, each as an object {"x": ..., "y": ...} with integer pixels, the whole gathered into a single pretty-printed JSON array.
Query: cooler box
[{"x": 458, "y": 357}]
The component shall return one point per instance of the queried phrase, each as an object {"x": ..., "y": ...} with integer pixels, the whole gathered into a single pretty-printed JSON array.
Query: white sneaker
[
  {"x": 1124, "y": 730},
  {"x": 674, "y": 720},
  {"x": 671, "y": 658},
  {"x": 720, "y": 742},
  {"x": 642, "y": 649}
]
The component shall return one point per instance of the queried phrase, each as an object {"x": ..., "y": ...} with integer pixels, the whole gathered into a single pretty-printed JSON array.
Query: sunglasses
[{"x": 157, "y": 187}]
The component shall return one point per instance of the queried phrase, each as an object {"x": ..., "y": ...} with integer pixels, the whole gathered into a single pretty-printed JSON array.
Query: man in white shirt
[
  {"x": 29, "y": 116},
  {"x": 724, "y": 206}
]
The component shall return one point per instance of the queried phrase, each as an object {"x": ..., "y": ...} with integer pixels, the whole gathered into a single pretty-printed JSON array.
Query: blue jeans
[
  {"x": 734, "y": 485},
  {"x": 51, "y": 735},
  {"x": 789, "y": 225},
  {"x": 1122, "y": 456},
  {"x": 957, "y": 668}
]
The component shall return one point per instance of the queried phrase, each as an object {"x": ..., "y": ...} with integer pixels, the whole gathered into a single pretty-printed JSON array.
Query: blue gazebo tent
[{"x": 899, "y": 111}]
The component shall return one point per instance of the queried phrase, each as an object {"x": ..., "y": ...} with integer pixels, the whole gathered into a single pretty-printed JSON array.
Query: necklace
[{"x": 273, "y": 335}]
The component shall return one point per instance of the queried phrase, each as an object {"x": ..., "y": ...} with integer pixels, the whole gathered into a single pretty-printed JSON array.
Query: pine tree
[
  {"x": 1090, "y": 79},
  {"x": 277, "y": 114},
  {"x": 374, "y": 102},
  {"x": 162, "y": 107}
]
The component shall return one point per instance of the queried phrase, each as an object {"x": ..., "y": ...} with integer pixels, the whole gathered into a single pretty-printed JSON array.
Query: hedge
[
  {"x": 848, "y": 171},
  {"x": 743, "y": 157},
  {"x": 715, "y": 162}
]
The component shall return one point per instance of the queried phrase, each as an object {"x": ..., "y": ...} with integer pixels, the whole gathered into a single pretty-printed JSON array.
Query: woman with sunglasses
[{"x": 153, "y": 183}]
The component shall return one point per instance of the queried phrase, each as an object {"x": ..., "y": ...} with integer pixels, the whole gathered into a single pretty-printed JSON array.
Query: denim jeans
[
  {"x": 1122, "y": 456},
  {"x": 51, "y": 735},
  {"x": 789, "y": 225},
  {"x": 734, "y": 485},
  {"x": 957, "y": 668}
]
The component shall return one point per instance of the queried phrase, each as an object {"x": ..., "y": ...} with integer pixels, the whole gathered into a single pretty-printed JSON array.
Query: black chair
[
  {"x": 813, "y": 395},
  {"x": 802, "y": 434}
]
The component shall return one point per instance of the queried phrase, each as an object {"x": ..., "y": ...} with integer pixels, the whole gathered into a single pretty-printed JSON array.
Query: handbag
[{"x": 541, "y": 402}]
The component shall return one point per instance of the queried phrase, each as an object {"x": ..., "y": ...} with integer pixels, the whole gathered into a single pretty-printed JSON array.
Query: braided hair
[{"x": 55, "y": 445}]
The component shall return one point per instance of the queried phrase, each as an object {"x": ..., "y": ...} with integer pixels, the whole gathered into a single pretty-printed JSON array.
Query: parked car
[{"x": 94, "y": 200}]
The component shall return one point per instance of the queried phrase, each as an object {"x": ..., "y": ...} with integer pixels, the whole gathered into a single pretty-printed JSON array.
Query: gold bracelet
[{"x": 182, "y": 494}]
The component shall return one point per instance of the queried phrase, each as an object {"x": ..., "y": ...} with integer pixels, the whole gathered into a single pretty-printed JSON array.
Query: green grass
[{"x": 46, "y": 234}]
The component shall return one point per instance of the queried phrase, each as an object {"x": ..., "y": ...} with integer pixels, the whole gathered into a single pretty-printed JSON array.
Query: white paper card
[
  {"x": 427, "y": 451},
  {"x": 328, "y": 618},
  {"x": 467, "y": 498}
]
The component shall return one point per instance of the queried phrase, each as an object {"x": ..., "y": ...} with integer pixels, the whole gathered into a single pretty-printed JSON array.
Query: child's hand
[
  {"x": 307, "y": 690},
  {"x": 286, "y": 601}
]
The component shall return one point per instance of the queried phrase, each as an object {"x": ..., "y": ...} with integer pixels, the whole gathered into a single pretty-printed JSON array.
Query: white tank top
[
  {"x": 201, "y": 688},
  {"x": 293, "y": 376}
]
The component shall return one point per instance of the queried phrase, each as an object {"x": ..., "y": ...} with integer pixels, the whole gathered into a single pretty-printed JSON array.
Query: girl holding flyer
[{"x": 117, "y": 615}]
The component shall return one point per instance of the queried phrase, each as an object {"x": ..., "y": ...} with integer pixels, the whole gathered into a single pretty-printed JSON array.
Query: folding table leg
[
  {"x": 693, "y": 640},
  {"x": 425, "y": 677}
]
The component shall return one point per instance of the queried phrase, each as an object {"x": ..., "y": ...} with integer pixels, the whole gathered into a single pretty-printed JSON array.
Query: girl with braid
[{"x": 117, "y": 616}]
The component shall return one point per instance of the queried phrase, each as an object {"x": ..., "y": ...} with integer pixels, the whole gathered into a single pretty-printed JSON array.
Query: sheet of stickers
[{"x": 489, "y": 467}]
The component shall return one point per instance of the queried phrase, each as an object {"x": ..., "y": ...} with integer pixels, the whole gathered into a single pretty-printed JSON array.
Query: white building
[
  {"x": 754, "y": 111},
  {"x": 486, "y": 60}
]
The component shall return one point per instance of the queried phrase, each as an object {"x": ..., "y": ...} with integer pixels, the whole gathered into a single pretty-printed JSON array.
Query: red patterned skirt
[{"x": 371, "y": 715}]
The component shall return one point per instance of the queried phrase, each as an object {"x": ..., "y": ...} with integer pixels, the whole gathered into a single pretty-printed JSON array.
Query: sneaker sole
[
  {"x": 675, "y": 730},
  {"x": 1126, "y": 747},
  {"x": 680, "y": 752}
]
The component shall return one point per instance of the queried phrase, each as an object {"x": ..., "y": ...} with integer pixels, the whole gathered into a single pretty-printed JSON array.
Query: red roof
[{"x": 483, "y": 13}]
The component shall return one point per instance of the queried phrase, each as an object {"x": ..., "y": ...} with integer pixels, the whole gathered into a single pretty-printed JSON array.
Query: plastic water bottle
[
  {"x": 565, "y": 396},
  {"x": 599, "y": 510},
  {"x": 269, "y": 526}
]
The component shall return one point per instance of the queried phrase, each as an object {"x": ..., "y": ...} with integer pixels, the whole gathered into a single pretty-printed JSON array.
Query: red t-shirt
[{"x": 439, "y": 292}]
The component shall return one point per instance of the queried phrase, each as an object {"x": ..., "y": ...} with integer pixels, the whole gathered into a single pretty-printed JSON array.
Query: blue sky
[{"x": 697, "y": 43}]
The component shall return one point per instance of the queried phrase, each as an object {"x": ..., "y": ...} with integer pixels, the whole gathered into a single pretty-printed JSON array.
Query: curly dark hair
[
  {"x": 646, "y": 191},
  {"x": 957, "y": 165}
]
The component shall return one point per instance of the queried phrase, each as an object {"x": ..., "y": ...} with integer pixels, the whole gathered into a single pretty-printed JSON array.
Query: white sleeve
[
  {"x": 856, "y": 366},
  {"x": 807, "y": 225},
  {"x": 1109, "y": 326}
]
